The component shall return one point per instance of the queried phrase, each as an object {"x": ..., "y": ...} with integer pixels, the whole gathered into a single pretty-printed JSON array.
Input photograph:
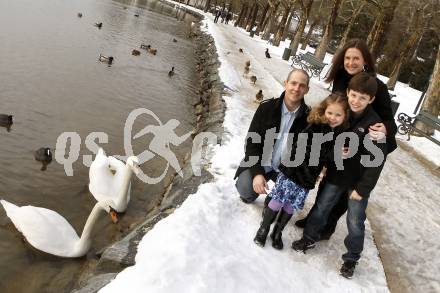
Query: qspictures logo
[{"x": 346, "y": 145}]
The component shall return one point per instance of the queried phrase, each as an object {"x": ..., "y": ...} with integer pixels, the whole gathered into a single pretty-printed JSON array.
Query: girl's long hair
[
  {"x": 338, "y": 59},
  {"x": 317, "y": 114}
]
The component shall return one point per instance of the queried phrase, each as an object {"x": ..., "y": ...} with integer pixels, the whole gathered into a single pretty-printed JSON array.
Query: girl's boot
[
  {"x": 268, "y": 218},
  {"x": 276, "y": 234}
]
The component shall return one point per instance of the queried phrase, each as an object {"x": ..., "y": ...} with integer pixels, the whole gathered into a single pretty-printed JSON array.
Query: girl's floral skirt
[{"x": 288, "y": 192}]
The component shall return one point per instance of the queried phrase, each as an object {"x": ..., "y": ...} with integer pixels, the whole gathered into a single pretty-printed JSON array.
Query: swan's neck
[
  {"x": 123, "y": 191},
  {"x": 88, "y": 227}
]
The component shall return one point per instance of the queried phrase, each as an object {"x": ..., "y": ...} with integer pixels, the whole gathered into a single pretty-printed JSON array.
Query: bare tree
[
  {"x": 272, "y": 19},
  {"x": 351, "y": 21},
  {"x": 309, "y": 33},
  {"x": 376, "y": 36},
  {"x": 289, "y": 21},
  {"x": 328, "y": 31},
  {"x": 283, "y": 22},
  {"x": 317, "y": 19},
  {"x": 420, "y": 20},
  {"x": 254, "y": 16},
  {"x": 263, "y": 17},
  {"x": 208, "y": 5},
  {"x": 305, "y": 6},
  {"x": 431, "y": 103},
  {"x": 241, "y": 15}
]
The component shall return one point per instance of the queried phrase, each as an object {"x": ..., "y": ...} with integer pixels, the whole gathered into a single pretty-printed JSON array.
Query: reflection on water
[{"x": 53, "y": 82}]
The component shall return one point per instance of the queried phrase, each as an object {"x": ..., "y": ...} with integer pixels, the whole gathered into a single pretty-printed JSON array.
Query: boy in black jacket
[{"x": 357, "y": 178}]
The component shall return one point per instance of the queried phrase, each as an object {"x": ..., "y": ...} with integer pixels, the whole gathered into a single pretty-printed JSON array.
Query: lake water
[{"x": 52, "y": 82}]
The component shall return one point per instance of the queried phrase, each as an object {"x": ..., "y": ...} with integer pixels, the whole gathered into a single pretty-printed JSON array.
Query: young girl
[{"x": 293, "y": 183}]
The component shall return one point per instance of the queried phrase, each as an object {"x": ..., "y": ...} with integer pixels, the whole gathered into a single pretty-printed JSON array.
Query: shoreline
[{"x": 209, "y": 112}]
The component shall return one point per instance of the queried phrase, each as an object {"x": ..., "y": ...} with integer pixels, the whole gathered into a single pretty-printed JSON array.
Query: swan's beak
[
  {"x": 112, "y": 169},
  {"x": 136, "y": 169},
  {"x": 114, "y": 216}
]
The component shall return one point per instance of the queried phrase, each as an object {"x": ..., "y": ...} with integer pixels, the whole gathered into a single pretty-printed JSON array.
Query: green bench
[
  {"x": 407, "y": 124},
  {"x": 310, "y": 63}
]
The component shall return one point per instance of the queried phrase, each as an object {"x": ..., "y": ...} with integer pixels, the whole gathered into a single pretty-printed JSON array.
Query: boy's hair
[
  {"x": 363, "y": 83},
  {"x": 317, "y": 115}
]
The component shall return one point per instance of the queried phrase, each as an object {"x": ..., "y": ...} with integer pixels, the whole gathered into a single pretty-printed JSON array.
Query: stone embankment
[{"x": 209, "y": 109}]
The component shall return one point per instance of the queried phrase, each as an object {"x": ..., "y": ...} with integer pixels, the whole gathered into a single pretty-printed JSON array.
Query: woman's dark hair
[{"x": 338, "y": 59}]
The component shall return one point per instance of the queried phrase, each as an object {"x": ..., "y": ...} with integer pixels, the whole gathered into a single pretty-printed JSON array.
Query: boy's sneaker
[
  {"x": 347, "y": 269},
  {"x": 303, "y": 244}
]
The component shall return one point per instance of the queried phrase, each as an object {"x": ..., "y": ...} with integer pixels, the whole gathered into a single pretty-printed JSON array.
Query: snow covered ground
[{"x": 206, "y": 245}]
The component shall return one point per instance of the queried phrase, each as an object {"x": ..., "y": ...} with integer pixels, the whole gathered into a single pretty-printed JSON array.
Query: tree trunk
[
  {"x": 286, "y": 29},
  {"x": 305, "y": 11},
  {"x": 328, "y": 31},
  {"x": 266, "y": 20},
  {"x": 245, "y": 17},
  {"x": 251, "y": 21},
  {"x": 431, "y": 103},
  {"x": 280, "y": 31},
  {"x": 208, "y": 5},
  {"x": 263, "y": 17},
  {"x": 272, "y": 21},
  {"x": 241, "y": 14},
  {"x": 351, "y": 23},
  {"x": 377, "y": 34},
  {"x": 272, "y": 18},
  {"x": 248, "y": 17},
  {"x": 309, "y": 34},
  {"x": 407, "y": 47}
]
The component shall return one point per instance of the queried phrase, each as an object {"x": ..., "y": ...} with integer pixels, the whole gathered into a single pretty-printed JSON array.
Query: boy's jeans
[{"x": 354, "y": 242}]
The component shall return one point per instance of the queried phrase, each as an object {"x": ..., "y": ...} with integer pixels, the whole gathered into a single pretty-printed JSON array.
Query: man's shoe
[
  {"x": 347, "y": 269},
  {"x": 301, "y": 223},
  {"x": 303, "y": 244}
]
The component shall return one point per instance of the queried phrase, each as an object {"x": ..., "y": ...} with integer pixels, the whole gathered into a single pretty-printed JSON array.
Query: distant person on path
[
  {"x": 293, "y": 183},
  {"x": 217, "y": 15},
  {"x": 253, "y": 31},
  {"x": 224, "y": 14},
  {"x": 271, "y": 39},
  {"x": 358, "y": 177},
  {"x": 228, "y": 17},
  {"x": 354, "y": 58},
  {"x": 286, "y": 114}
]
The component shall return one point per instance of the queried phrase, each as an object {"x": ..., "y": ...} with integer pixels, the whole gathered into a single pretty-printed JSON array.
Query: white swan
[
  {"x": 110, "y": 180},
  {"x": 48, "y": 231}
]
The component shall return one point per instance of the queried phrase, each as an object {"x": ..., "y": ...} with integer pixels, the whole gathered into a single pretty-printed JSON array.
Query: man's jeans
[
  {"x": 354, "y": 242},
  {"x": 244, "y": 184}
]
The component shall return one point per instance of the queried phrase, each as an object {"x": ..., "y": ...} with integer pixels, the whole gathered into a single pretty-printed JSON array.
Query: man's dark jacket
[{"x": 268, "y": 116}]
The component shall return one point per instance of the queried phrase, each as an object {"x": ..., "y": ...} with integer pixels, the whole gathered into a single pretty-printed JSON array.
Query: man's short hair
[
  {"x": 300, "y": 70},
  {"x": 363, "y": 83}
]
